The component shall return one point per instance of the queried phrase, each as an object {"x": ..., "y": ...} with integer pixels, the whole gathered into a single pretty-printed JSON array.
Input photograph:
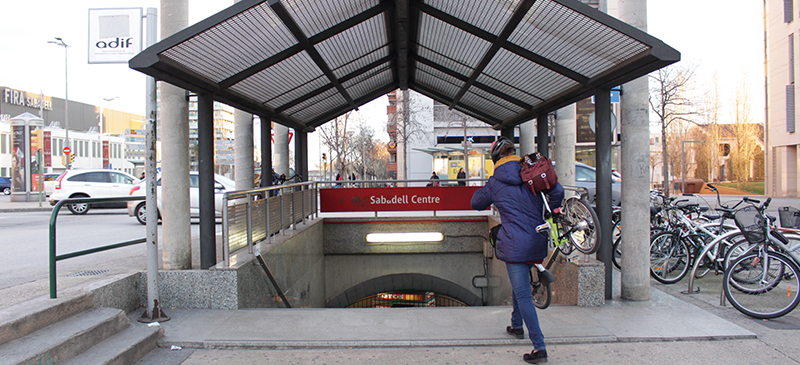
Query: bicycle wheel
[
  {"x": 669, "y": 258},
  {"x": 766, "y": 296},
  {"x": 616, "y": 258},
  {"x": 582, "y": 223},
  {"x": 541, "y": 293}
]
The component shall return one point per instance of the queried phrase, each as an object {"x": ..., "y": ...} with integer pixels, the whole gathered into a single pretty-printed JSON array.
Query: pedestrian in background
[{"x": 462, "y": 175}]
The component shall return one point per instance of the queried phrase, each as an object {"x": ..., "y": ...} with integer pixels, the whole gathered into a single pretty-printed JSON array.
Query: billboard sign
[
  {"x": 396, "y": 199},
  {"x": 115, "y": 35}
]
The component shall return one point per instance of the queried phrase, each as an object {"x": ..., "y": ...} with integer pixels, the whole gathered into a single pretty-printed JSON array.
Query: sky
[{"x": 723, "y": 39}]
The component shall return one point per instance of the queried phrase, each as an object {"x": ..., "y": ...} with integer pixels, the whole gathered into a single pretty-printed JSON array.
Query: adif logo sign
[{"x": 115, "y": 35}]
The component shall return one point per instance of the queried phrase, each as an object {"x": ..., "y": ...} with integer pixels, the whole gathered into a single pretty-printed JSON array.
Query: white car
[
  {"x": 222, "y": 184},
  {"x": 49, "y": 183},
  {"x": 96, "y": 183}
]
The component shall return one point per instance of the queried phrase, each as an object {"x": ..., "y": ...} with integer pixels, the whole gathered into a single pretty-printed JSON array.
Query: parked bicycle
[
  {"x": 764, "y": 280},
  {"x": 573, "y": 228}
]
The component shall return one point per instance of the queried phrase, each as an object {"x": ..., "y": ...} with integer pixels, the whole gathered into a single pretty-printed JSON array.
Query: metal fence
[{"x": 251, "y": 216}]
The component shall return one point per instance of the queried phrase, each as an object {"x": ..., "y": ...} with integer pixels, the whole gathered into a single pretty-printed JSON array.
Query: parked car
[
  {"x": 586, "y": 177},
  {"x": 94, "y": 183},
  {"x": 5, "y": 185},
  {"x": 49, "y": 183},
  {"x": 222, "y": 184}
]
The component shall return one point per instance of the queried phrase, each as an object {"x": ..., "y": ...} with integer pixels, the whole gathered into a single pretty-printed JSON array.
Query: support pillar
[
  {"x": 266, "y": 152},
  {"x": 281, "y": 152},
  {"x": 635, "y": 164},
  {"x": 508, "y": 133},
  {"x": 243, "y": 150},
  {"x": 564, "y": 154},
  {"x": 205, "y": 139},
  {"x": 542, "y": 141},
  {"x": 603, "y": 195},
  {"x": 301, "y": 154},
  {"x": 175, "y": 227},
  {"x": 527, "y": 133}
]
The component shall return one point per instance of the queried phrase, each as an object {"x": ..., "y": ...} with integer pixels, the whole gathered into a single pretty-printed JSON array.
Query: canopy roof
[{"x": 302, "y": 63}]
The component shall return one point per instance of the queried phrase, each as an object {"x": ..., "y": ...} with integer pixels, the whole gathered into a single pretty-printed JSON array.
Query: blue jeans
[{"x": 524, "y": 310}]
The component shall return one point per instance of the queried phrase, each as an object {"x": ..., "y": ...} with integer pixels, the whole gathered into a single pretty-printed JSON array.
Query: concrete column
[
  {"x": 266, "y": 152},
  {"x": 635, "y": 164},
  {"x": 281, "y": 152},
  {"x": 175, "y": 227},
  {"x": 603, "y": 196},
  {"x": 527, "y": 132},
  {"x": 205, "y": 139},
  {"x": 564, "y": 154},
  {"x": 542, "y": 142},
  {"x": 243, "y": 149}
]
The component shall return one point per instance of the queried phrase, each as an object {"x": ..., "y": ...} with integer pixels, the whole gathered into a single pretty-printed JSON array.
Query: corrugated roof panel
[
  {"x": 497, "y": 100},
  {"x": 525, "y": 75},
  {"x": 450, "y": 41},
  {"x": 435, "y": 80},
  {"x": 216, "y": 53},
  {"x": 279, "y": 79},
  {"x": 361, "y": 62},
  {"x": 573, "y": 40},
  {"x": 478, "y": 103},
  {"x": 353, "y": 43},
  {"x": 451, "y": 64},
  {"x": 298, "y": 92},
  {"x": 316, "y": 106},
  {"x": 314, "y": 16},
  {"x": 490, "y": 16},
  {"x": 369, "y": 82}
]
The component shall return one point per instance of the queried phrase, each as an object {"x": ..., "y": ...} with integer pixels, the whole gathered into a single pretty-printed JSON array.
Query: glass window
[
  {"x": 584, "y": 174},
  {"x": 91, "y": 177},
  {"x": 194, "y": 181},
  {"x": 120, "y": 178}
]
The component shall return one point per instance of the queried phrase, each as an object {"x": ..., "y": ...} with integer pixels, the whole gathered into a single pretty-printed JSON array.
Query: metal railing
[
  {"x": 53, "y": 217},
  {"x": 252, "y": 216}
]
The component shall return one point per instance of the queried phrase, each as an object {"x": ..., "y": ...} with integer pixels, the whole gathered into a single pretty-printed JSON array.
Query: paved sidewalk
[
  {"x": 7, "y": 206},
  {"x": 663, "y": 318}
]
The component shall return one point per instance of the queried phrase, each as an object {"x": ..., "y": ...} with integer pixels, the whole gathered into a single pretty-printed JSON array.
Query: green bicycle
[{"x": 573, "y": 228}]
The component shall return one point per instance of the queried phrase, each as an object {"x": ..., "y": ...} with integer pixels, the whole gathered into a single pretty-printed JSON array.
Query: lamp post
[
  {"x": 60, "y": 42},
  {"x": 683, "y": 162},
  {"x": 102, "y": 111}
]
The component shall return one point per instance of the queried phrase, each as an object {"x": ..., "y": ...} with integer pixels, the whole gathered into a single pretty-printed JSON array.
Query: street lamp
[
  {"x": 683, "y": 162},
  {"x": 102, "y": 111},
  {"x": 60, "y": 42}
]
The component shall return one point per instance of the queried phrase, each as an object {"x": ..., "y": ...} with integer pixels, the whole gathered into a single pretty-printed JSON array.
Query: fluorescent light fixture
[{"x": 405, "y": 237}]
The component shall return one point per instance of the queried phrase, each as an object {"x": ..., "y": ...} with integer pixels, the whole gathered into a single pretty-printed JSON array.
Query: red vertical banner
[
  {"x": 105, "y": 154},
  {"x": 47, "y": 149}
]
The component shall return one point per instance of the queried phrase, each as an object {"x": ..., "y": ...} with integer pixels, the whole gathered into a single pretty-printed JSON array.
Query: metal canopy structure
[{"x": 302, "y": 63}]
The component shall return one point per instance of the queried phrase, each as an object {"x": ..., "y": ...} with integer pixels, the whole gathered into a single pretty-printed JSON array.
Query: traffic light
[
  {"x": 324, "y": 158},
  {"x": 64, "y": 160},
  {"x": 71, "y": 158}
]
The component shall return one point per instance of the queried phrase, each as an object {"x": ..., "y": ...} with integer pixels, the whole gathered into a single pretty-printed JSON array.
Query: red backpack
[{"x": 538, "y": 172}]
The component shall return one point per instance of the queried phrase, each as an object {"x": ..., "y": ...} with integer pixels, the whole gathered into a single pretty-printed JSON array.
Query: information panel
[{"x": 396, "y": 199}]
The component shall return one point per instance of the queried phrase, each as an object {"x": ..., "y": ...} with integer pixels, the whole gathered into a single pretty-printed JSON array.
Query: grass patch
[{"x": 752, "y": 187}]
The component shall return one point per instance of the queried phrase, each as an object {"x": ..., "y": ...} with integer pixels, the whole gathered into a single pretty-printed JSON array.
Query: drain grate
[{"x": 89, "y": 273}]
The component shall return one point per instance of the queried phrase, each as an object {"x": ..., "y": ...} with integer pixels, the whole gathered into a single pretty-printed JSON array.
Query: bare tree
[
  {"x": 745, "y": 135},
  {"x": 707, "y": 155},
  {"x": 406, "y": 124},
  {"x": 335, "y": 136},
  {"x": 671, "y": 101}
]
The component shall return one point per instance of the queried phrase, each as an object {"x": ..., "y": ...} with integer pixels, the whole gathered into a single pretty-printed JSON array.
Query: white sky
[{"x": 724, "y": 38}]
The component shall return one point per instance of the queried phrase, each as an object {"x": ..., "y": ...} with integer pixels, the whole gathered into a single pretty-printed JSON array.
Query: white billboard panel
[{"x": 115, "y": 35}]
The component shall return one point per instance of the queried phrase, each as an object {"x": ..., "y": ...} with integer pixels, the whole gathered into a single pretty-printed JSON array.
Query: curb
[{"x": 28, "y": 209}]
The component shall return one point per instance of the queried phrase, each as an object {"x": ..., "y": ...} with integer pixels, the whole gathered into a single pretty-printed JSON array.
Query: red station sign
[{"x": 396, "y": 199}]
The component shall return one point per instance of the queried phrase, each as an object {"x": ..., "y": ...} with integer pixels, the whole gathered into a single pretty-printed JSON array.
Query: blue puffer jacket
[{"x": 520, "y": 212}]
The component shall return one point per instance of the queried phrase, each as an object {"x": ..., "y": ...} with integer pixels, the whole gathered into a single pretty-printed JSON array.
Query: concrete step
[
  {"x": 125, "y": 347},
  {"x": 28, "y": 317},
  {"x": 65, "y": 339}
]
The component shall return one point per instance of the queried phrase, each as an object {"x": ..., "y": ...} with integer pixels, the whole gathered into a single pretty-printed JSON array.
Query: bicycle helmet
[{"x": 497, "y": 148}]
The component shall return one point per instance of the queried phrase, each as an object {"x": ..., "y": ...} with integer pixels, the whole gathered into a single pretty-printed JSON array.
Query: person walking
[
  {"x": 518, "y": 243},
  {"x": 461, "y": 175},
  {"x": 434, "y": 180}
]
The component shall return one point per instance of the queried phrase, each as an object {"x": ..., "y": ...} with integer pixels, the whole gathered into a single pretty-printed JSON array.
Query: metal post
[
  {"x": 542, "y": 141},
  {"x": 60, "y": 42},
  {"x": 151, "y": 213},
  {"x": 205, "y": 139},
  {"x": 226, "y": 236},
  {"x": 603, "y": 196}
]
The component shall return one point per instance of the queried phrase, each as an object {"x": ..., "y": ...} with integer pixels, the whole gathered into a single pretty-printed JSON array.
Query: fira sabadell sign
[{"x": 115, "y": 35}]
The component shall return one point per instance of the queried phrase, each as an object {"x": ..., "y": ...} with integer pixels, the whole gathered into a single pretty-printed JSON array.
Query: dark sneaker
[
  {"x": 546, "y": 277},
  {"x": 516, "y": 332},
  {"x": 535, "y": 357}
]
